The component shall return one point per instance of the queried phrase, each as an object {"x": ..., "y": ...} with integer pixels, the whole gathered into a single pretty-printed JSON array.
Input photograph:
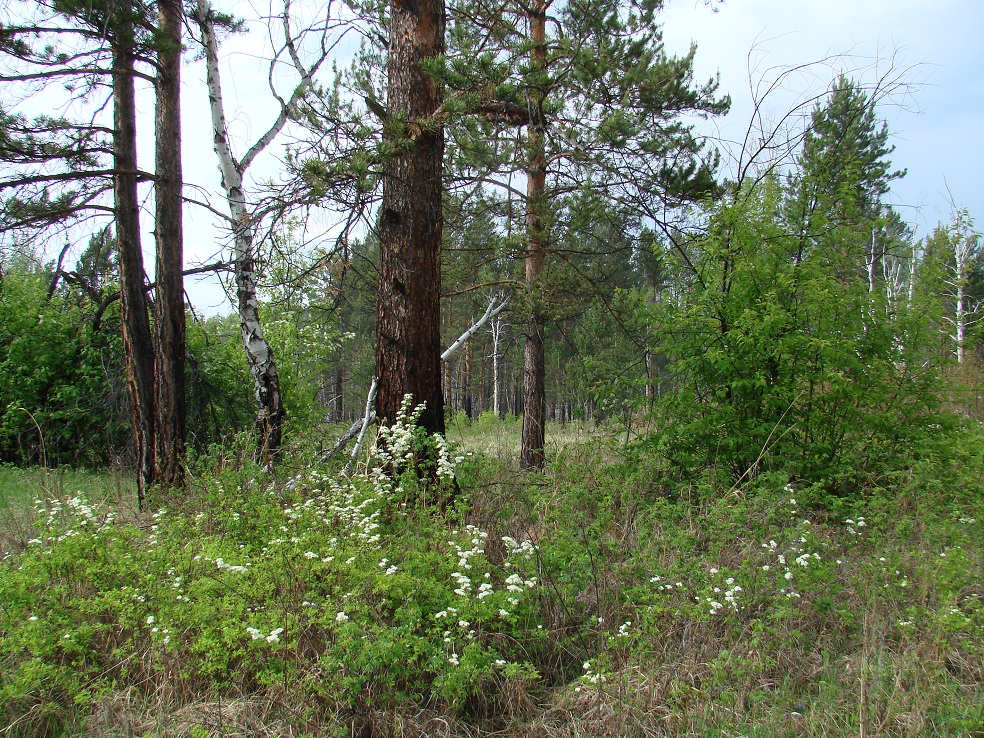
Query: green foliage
[
  {"x": 344, "y": 589},
  {"x": 339, "y": 601},
  {"x": 800, "y": 344},
  {"x": 62, "y": 398},
  {"x": 220, "y": 388},
  {"x": 786, "y": 365}
]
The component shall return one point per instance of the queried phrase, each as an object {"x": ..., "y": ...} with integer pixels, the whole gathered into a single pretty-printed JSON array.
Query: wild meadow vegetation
[{"x": 602, "y": 597}]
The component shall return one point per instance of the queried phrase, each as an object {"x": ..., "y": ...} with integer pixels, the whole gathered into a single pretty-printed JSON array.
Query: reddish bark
[
  {"x": 408, "y": 348},
  {"x": 138, "y": 347},
  {"x": 169, "y": 323}
]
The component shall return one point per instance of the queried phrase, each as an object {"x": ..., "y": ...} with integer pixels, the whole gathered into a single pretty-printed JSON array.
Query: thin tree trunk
[
  {"x": 338, "y": 401},
  {"x": 408, "y": 348},
  {"x": 169, "y": 325},
  {"x": 534, "y": 370},
  {"x": 259, "y": 355},
  {"x": 496, "y": 331},
  {"x": 961, "y": 253},
  {"x": 466, "y": 388},
  {"x": 138, "y": 347}
]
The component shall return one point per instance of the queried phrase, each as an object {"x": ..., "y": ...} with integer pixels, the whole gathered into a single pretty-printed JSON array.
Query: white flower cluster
[
  {"x": 800, "y": 556},
  {"x": 221, "y": 564},
  {"x": 396, "y": 441},
  {"x": 853, "y": 526},
  {"x": 445, "y": 467},
  {"x": 669, "y": 586},
  {"x": 68, "y": 514},
  {"x": 591, "y": 676},
  {"x": 730, "y": 595},
  {"x": 477, "y": 538},
  {"x": 257, "y": 635},
  {"x": 515, "y": 548}
]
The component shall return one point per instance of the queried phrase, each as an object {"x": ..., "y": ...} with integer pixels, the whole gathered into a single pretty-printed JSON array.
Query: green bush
[
  {"x": 784, "y": 364},
  {"x": 350, "y": 591}
]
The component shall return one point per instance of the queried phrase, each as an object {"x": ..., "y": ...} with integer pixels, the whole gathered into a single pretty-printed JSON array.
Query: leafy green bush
[
  {"x": 785, "y": 364},
  {"x": 62, "y": 398},
  {"x": 347, "y": 592}
]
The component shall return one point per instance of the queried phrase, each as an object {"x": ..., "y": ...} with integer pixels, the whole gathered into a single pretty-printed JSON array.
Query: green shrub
[{"x": 350, "y": 591}]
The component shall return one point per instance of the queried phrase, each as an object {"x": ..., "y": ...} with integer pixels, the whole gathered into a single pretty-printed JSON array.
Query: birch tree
[{"x": 243, "y": 218}]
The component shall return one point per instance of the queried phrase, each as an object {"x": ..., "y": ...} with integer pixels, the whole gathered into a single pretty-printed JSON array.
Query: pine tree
[
  {"x": 408, "y": 312},
  {"x": 602, "y": 105}
]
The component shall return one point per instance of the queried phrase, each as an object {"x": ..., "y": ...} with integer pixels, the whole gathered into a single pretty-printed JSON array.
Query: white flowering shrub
[{"x": 336, "y": 585}]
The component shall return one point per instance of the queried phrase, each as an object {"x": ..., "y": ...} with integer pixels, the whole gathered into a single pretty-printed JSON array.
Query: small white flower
[
  {"x": 274, "y": 636},
  {"x": 150, "y": 620},
  {"x": 341, "y": 617},
  {"x": 254, "y": 633}
]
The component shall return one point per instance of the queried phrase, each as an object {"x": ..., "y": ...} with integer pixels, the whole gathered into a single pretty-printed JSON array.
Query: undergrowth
[{"x": 463, "y": 598}]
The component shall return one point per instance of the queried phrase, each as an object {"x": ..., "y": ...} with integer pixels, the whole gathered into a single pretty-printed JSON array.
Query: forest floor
[{"x": 297, "y": 603}]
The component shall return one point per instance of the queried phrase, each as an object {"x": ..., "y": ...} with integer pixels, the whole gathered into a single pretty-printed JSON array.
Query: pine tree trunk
[
  {"x": 534, "y": 370},
  {"x": 169, "y": 324},
  {"x": 138, "y": 347},
  {"x": 408, "y": 348}
]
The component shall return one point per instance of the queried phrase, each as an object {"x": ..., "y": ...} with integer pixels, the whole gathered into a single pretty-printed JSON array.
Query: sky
[
  {"x": 931, "y": 50},
  {"x": 934, "y": 47}
]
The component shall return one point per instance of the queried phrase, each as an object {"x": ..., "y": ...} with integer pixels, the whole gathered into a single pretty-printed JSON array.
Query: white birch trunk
[
  {"x": 913, "y": 264},
  {"x": 490, "y": 312},
  {"x": 496, "y": 329},
  {"x": 961, "y": 258},
  {"x": 870, "y": 260},
  {"x": 259, "y": 355},
  {"x": 262, "y": 365}
]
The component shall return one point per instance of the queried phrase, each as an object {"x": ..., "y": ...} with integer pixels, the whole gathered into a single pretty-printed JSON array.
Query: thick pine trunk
[
  {"x": 534, "y": 370},
  {"x": 138, "y": 346},
  {"x": 408, "y": 348},
  {"x": 169, "y": 324}
]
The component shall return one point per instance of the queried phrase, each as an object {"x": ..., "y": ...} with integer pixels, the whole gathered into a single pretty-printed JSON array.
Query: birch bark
[{"x": 262, "y": 363}]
